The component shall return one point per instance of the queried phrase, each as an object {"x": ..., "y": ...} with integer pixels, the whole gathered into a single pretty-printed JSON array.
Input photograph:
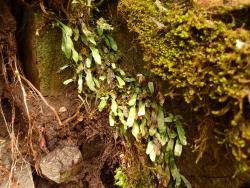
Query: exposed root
[{"x": 205, "y": 128}]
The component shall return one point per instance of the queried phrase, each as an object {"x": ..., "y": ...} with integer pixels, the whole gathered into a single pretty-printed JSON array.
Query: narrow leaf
[
  {"x": 75, "y": 55},
  {"x": 132, "y": 101},
  {"x": 67, "y": 45},
  {"x": 80, "y": 83},
  {"x": 143, "y": 127},
  {"x": 186, "y": 182},
  {"x": 88, "y": 61},
  {"x": 136, "y": 130},
  {"x": 114, "y": 106},
  {"x": 141, "y": 111},
  {"x": 177, "y": 148},
  {"x": 62, "y": 68},
  {"x": 181, "y": 133},
  {"x": 96, "y": 55},
  {"x": 131, "y": 116},
  {"x": 122, "y": 119},
  {"x": 112, "y": 43},
  {"x": 151, "y": 87},
  {"x": 66, "y": 82},
  {"x": 150, "y": 147},
  {"x": 103, "y": 103},
  {"x": 111, "y": 119},
  {"x": 89, "y": 80},
  {"x": 161, "y": 121},
  {"x": 121, "y": 82}
]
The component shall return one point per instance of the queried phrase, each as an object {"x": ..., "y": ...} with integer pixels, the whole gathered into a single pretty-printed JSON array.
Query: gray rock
[
  {"x": 61, "y": 165},
  {"x": 22, "y": 175},
  {"x": 22, "y": 178}
]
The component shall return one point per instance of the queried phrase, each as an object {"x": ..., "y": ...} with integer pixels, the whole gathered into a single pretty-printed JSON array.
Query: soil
[{"x": 40, "y": 131}]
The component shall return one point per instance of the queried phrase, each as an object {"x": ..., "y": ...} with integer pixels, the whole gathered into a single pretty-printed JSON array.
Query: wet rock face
[{"x": 61, "y": 165}]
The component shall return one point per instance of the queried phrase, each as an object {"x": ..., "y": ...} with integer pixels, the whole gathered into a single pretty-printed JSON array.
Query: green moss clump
[{"x": 205, "y": 60}]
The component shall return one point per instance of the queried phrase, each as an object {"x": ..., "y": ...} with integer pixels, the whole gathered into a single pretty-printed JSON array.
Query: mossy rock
[
  {"x": 202, "y": 58},
  {"x": 41, "y": 53}
]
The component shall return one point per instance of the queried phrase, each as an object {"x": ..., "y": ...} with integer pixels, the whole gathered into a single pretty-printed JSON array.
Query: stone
[
  {"x": 22, "y": 178},
  {"x": 62, "y": 165},
  {"x": 22, "y": 174}
]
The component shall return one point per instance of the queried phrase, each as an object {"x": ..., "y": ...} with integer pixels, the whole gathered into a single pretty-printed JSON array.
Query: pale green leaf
[
  {"x": 131, "y": 116},
  {"x": 132, "y": 101},
  {"x": 152, "y": 131},
  {"x": 91, "y": 39},
  {"x": 114, "y": 106},
  {"x": 161, "y": 138},
  {"x": 143, "y": 127},
  {"x": 96, "y": 82},
  {"x": 141, "y": 111},
  {"x": 96, "y": 55},
  {"x": 177, "y": 148},
  {"x": 151, "y": 87},
  {"x": 152, "y": 156},
  {"x": 111, "y": 119},
  {"x": 121, "y": 82},
  {"x": 67, "y": 45},
  {"x": 75, "y": 55},
  {"x": 122, "y": 119},
  {"x": 63, "y": 68},
  {"x": 151, "y": 151},
  {"x": 103, "y": 103},
  {"x": 99, "y": 31},
  {"x": 150, "y": 147},
  {"x": 121, "y": 71},
  {"x": 76, "y": 34},
  {"x": 113, "y": 65},
  {"x": 80, "y": 83},
  {"x": 186, "y": 182},
  {"x": 89, "y": 80},
  {"x": 66, "y": 82},
  {"x": 66, "y": 29},
  {"x": 129, "y": 79},
  {"x": 168, "y": 119},
  {"x": 160, "y": 121},
  {"x": 102, "y": 78},
  {"x": 88, "y": 61},
  {"x": 79, "y": 68},
  {"x": 136, "y": 130}
]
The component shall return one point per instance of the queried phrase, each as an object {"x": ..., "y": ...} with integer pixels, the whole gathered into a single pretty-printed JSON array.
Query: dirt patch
[{"x": 42, "y": 124}]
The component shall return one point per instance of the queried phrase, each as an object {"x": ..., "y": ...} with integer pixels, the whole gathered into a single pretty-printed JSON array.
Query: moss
[{"x": 205, "y": 60}]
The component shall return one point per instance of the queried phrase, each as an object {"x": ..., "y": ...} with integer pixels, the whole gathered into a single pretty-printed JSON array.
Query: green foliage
[
  {"x": 203, "y": 59},
  {"x": 121, "y": 179},
  {"x": 132, "y": 107}
]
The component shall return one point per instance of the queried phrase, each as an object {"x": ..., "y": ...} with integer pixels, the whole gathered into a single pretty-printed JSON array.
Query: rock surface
[
  {"x": 22, "y": 175},
  {"x": 41, "y": 54},
  {"x": 61, "y": 165},
  {"x": 22, "y": 178}
]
